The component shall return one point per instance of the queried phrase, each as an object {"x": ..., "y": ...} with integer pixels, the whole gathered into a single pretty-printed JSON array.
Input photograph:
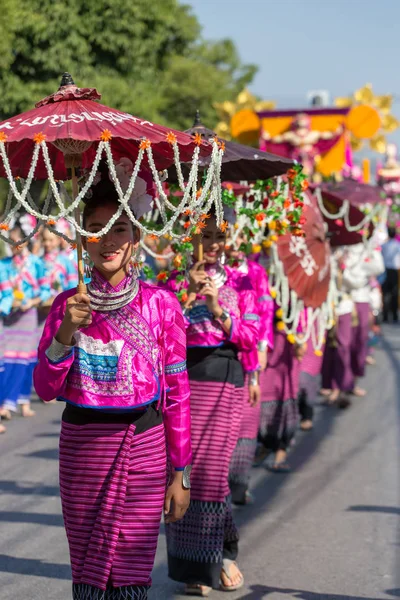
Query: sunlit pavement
[{"x": 329, "y": 530}]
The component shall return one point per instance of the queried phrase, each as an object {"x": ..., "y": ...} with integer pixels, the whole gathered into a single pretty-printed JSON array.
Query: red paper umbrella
[
  {"x": 73, "y": 114},
  {"x": 339, "y": 235},
  {"x": 306, "y": 260}
]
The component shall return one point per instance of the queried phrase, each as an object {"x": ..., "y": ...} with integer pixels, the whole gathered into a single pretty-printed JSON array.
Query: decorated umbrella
[
  {"x": 347, "y": 225},
  {"x": 355, "y": 192},
  {"x": 69, "y": 129},
  {"x": 239, "y": 162},
  {"x": 306, "y": 259},
  {"x": 301, "y": 279}
]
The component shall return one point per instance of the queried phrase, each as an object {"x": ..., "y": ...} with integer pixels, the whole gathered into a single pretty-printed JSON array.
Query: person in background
[
  {"x": 30, "y": 286},
  {"x": 390, "y": 286},
  {"x": 6, "y": 305},
  {"x": 362, "y": 262}
]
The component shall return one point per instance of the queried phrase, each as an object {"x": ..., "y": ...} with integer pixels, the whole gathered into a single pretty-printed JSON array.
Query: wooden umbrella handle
[{"x": 82, "y": 289}]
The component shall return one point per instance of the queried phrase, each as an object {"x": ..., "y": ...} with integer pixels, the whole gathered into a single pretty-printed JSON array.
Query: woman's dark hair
[
  {"x": 101, "y": 194},
  {"x": 392, "y": 232}
]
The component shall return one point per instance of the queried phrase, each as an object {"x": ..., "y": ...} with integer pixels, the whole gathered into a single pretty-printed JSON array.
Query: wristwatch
[
  {"x": 186, "y": 477},
  {"x": 223, "y": 317}
]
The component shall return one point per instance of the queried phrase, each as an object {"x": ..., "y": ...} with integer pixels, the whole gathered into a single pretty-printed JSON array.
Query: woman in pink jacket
[{"x": 117, "y": 357}]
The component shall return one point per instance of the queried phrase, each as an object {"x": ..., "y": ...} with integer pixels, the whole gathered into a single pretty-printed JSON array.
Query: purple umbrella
[
  {"x": 239, "y": 162},
  {"x": 353, "y": 191}
]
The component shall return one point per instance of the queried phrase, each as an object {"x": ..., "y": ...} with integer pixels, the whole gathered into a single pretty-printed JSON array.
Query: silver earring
[
  {"x": 136, "y": 262},
  {"x": 88, "y": 265}
]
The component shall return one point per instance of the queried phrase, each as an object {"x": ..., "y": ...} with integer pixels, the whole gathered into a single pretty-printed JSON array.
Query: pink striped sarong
[
  {"x": 207, "y": 534},
  {"x": 112, "y": 486},
  {"x": 243, "y": 455}
]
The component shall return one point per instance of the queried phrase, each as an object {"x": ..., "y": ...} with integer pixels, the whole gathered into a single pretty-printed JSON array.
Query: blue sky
[{"x": 304, "y": 45}]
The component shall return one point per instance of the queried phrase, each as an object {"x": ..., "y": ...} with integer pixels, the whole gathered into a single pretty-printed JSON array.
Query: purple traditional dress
[
  {"x": 6, "y": 302},
  {"x": 279, "y": 391},
  {"x": 310, "y": 375},
  {"x": 27, "y": 277},
  {"x": 207, "y": 534},
  {"x": 243, "y": 456},
  {"x": 126, "y": 391}
]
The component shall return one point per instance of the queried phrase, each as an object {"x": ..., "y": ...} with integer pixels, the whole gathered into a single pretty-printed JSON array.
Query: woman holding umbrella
[
  {"x": 221, "y": 320},
  {"x": 117, "y": 357}
]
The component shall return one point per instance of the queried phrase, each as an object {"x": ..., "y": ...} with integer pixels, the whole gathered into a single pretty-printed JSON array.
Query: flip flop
[
  {"x": 226, "y": 567},
  {"x": 282, "y": 467},
  {"x": 196, "y": 589}
]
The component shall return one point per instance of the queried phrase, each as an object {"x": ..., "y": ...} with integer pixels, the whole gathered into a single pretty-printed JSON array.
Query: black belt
[{"x": 144, "y": 419}]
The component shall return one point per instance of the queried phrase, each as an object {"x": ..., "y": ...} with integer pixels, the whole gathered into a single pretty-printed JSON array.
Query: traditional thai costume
[
  {"x": 243, "y": 456},
  {"x": 360, "y": 265},
  {"x": 279, "y": 391},
  {"x": 207, "y": 534},
  {"x": 126, "y": 391},
  {"x": 6, "y": 302},
  {"x": 310, "y": 376},
  {"x": 28, "y": 281}
]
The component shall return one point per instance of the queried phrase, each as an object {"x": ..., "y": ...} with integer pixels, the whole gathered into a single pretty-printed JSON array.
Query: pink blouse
[
  {"x": 125, "y": 360},
  {"x": 237, "y": 298}
]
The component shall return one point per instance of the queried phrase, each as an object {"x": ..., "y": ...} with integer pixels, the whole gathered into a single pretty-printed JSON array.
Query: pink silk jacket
[
  {"x": 126, "y": 359},
  {"x": 237, "y": 298}
]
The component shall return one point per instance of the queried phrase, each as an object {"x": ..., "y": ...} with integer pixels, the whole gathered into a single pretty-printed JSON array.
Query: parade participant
[
  {"x": 6, "y": 304},
  {"x": 309, "y": 381},
  {"x": 361, "y": 263},
  {"x": 221, "y": 321},
  {"x": 243, "y": 456},
  {"x": 117, "y": 357},
  {"x": 61, "y": 272},
  {"x": 337, "y": 375},
  {"x": 279, "y": 409},
  {"x": 30, "y": 288},
  {"x": 390, "y": 286}
]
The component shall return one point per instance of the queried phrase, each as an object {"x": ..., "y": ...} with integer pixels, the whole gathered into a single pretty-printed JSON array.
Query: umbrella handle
[
  {"x": 82, "y": 289},
  {"x": 201, "y": 251}
]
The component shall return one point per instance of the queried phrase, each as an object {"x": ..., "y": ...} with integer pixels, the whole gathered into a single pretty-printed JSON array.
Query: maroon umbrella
[
  {"x": 338, "y": 233},
  {"x": 239, "y": 162},
  {"x": 353, "y": 191},
  {"x": 73, "y": 114}
]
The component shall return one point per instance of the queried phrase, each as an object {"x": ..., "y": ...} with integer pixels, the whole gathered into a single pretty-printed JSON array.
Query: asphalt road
[{"x": 329, "y": 530}]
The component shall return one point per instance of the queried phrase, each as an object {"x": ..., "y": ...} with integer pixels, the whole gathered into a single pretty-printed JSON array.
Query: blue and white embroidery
[
  {"x": 176, "y": 368},
  {"x": 250, "y": 317}
]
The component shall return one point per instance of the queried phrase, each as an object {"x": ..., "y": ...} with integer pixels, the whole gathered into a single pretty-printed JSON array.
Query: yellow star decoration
[
  {"x": 383, "y": 105},
  {"x": 244, "y": 101}
]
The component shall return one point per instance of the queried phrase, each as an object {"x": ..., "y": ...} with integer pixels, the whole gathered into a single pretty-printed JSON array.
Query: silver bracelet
[
  {"x": 262, "y": 346},
  {"x": 254, "y": 378},
  {"x": 56, "y": 352}
]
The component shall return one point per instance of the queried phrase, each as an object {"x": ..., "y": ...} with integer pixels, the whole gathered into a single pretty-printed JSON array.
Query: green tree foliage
[{"x": 145, "y": 57}]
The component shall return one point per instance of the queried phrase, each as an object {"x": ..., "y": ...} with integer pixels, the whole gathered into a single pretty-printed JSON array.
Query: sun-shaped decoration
[
  {"x": 243, "y": 109},
  {"x": 365, "y": 101}
]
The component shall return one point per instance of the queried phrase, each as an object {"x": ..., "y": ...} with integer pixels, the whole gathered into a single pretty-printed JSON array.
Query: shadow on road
[
  {"x": 28, "y": 489},
  {"x": 259, "y": 592},
  {"x": 34, "y": 566},
  {"x": 30, "y": 517},
  {"x": 387, "y": 510}
]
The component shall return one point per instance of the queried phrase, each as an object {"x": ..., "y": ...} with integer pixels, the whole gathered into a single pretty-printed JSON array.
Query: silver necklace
[{"x": 109, "y": 301}]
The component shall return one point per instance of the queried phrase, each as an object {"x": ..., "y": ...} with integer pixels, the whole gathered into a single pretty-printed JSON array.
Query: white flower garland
[
  {"x": 343, "y": 213},
  {"x": 197, "y": 203}
]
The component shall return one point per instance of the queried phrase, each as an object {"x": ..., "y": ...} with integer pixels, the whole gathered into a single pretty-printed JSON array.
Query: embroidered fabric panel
[
  {"x": 250, "y": 317},
  {"x": 135, "y": 330},
  {"x": 229, "y": 300},
  {"x": 265, "y": 298},
  {"x": 177, "y": 368},
  {"x": 200, "y": 535},
  {"x": 82, "y": 591},
  {"x": 101, "y": 368}
]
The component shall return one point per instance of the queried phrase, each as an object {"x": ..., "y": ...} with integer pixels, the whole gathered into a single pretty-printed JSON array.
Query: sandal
[
  {"x": 2, "y": 428},
  {"x": 359, "y": 392},
  {"x": 282, "y": 467},
  {"x": 26, "y": 411},
  {"x": 5, "y": 414},
  {"x": 196, "y": 589},
  {"x": 306, "y": 425},
  {"x": 226, "y": 568}
]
